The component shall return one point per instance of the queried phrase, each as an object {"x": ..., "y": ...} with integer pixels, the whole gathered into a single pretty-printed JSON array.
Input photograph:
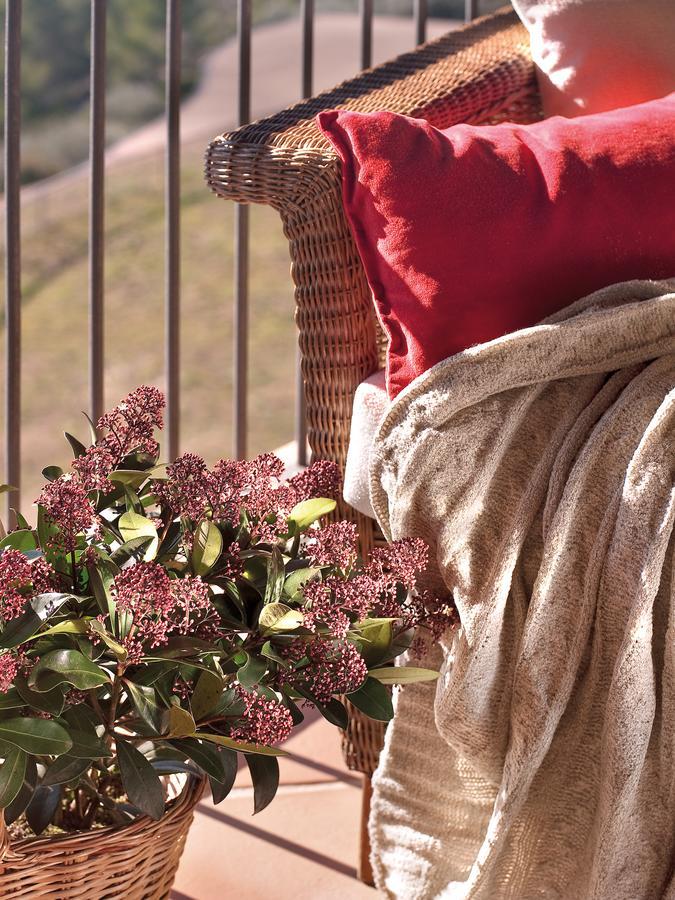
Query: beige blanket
[{"x": 541, "y": 469}]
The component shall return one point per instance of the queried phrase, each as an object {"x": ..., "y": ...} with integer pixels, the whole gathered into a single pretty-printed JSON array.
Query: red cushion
[{"x": 470, "y": 233}]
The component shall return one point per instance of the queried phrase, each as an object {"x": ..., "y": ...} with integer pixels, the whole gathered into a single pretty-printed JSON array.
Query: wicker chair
[{"x": 480, "y": 74}]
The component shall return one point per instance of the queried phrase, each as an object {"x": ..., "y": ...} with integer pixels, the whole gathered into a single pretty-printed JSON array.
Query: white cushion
[
  {"x": 595, "y": 55},
  {"x": 371, "y": 402}
]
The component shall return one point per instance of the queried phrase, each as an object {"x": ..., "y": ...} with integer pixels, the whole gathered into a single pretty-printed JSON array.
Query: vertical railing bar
[
  {"x": 366, "y": 14},
  {"x": 13, "y": 251},
  {"x": 470, "y": 10},
  {"x": 241, "y": 235},
  {"x": 96, "y": 205},
  {"x": 420, "y": 15},
  {"x": 306, "y": 86},
  {"x": 172, "y": 201}
]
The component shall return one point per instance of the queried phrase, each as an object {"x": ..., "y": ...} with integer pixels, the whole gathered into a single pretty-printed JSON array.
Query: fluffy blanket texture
[{"x": 540, "y": 467}]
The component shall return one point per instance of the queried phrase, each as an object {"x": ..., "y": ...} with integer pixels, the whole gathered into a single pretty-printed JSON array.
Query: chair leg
[{"x": 365, "y": 872}]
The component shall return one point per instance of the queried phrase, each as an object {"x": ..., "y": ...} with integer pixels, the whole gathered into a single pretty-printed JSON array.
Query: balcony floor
[{"x": 303, "y": 846}]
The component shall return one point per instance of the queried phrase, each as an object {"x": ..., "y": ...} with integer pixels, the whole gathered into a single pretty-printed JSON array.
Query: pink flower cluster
[
  {"x": 130, "y": 427},
  {"x": 67, "y": 506},
  {"x": 21, "y": 579},
  {"x": 334, "y": 545},
  {"x": 399, "y": 562},
  {"x": 161, "y": 606},
  {"x": 385, "y": 587},
  {"x": 231, "y": 486},
  {"x": 264, "y": 721},
  {"x": 11, "y": 664},
  {"x": 325, "y": 668}
]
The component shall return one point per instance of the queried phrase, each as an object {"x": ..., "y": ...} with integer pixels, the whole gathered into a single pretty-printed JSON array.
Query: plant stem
[
  {"x": 95, "y": 704},
  {"x": 73, "y": 566},
  {"x": 114, "y": 700}
]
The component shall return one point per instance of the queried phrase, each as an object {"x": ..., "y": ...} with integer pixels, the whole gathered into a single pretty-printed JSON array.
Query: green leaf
[
  {"x": 267, "y": 650},
  {"x": 229, "y": 705},
  {"x": 208, "y": 545},
  {"x": 241, "y": 746},
  {"x": 12, "y": 773},
  {"x": 51, "y": 701},
  {"x": 205, "y": 756},
  {"x": 51, "y": 473},
  {"x": 21, "y": 521},
  {"x": 133, "y": 526},
  {"x": 37, "y": 611},
  {"x": 309, "y": 511},
  {"x": 86, "y": 745},
  {"x": 84, "y": 728},
  {"x": 77, "y": 447},
  {"x": 69, "y": 667},
  {"x": 82, "y": 717},
  {"x": 101, "y": 577},
  {"x": 7, "y": 488},
  {"x": 403, "y": 674},
  {"x": 117, "y": 648},
  {"x": 276, "y": 617},
  {"x": 132, "y": 500},
  {"x": 130, "y": 548},
  {"x": 275, "y": 577},
  {"x": 144, "y": 699},
  {"x": 374, "y": 700},
  {"x": 252, "y": 672},
  {"x": 297, "y": 579},
  {"x": 174, "y": 767},
  {"x": 206, "y": 694},
  {"x": 41, "y": 737},
  {"x": 11, "y": 700},
  {"x": 64, "y": 769},
  {"x": 229, "y": 761},
  {"x": 377, "y": 636},
  {"x": 71, "y": 626},
  {"x": 42, "y": 807},
  {"x": 141, "y": 782},
  {"x": 130, "y": 477},
  {"x": 181, "y": 723},
  {"x": 23, "y": 798},
  {"x": 22, "y": 540},
  {"x": 265, "y": 776},
  {"x": 334, "y": 712},
  {"x": 92, "y": 427}
]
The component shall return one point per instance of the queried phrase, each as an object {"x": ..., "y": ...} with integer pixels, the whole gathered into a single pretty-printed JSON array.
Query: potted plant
[{"x": 161, "y": 622}]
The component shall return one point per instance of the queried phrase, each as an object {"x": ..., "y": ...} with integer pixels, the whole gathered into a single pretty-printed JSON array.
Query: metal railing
[{"x": 12, "y": 180}]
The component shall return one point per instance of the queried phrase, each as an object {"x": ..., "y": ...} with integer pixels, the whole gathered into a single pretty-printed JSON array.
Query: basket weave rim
[{"x": 24, "y": 848}]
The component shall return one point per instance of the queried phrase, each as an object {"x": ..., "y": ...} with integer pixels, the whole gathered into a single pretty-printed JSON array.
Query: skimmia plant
[{"x": 165, "y": 618}]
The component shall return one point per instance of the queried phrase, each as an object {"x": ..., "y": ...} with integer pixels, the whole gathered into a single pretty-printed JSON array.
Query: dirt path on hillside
[{"x": 275, "y": 82}]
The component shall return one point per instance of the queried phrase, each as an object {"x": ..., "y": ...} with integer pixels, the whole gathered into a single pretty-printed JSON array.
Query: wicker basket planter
[{"x": 134, "y": 862}]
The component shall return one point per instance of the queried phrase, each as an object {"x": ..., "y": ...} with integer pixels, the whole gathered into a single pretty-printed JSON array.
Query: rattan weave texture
[
  {"x": 136, "y": 862},
  {"x": 478, "y": 74}
]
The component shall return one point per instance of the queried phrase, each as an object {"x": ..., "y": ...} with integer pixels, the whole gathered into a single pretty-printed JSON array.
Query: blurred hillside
[{"x": 55, "y": 69}]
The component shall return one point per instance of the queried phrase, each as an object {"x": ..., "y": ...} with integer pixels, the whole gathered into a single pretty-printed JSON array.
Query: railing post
[
  {"x": 13, "y": 252},
  {"x": 420, "y": 14},
  {"x": 366, "y": 20},
  {"x": 470, "y": 10},
  {"x": 172, "y": 200},
  {"x": 241, "y": 231},
  {"x": 306, "y": 87},
  {"x": 96, "y": 206}
]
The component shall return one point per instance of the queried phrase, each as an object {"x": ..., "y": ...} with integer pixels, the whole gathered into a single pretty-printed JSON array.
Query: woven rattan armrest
[
  {"x": 475, "y": 74},
  {"x": 469, "y": 75}
]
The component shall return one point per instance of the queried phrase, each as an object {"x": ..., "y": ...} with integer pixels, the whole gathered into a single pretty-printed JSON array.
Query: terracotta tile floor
[{"x": 303, "y": 846}]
